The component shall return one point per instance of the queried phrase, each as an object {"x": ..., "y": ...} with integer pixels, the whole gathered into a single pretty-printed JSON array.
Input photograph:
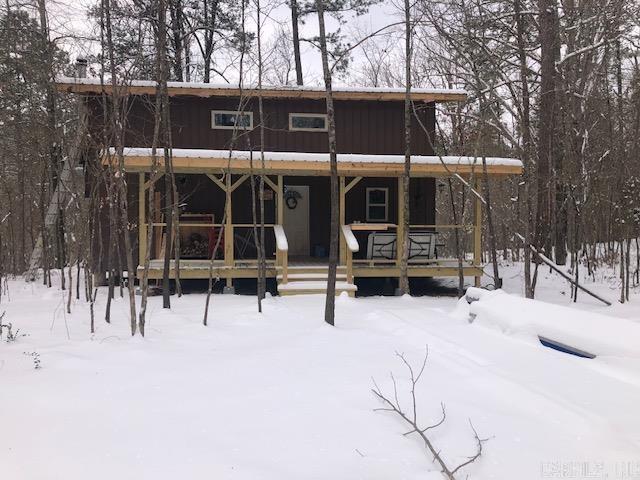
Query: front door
[{"x": 296, "y": 219}]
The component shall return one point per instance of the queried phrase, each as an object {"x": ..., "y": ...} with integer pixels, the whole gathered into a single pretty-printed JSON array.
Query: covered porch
[{"x": 216, "y": 199}]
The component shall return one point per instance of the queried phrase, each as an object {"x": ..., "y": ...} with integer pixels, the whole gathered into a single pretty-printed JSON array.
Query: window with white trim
[
  {"x": 308, "y": 122},
  {"x": 377, "y": 204},
  {"x": 230, "y": 119}
]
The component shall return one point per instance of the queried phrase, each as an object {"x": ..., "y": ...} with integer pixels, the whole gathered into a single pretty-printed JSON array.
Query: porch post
[
  {"x": 228, "y": 234},
  {"x": 477, "y": 234},
  {"x": 343, "y": 246},
  {"x": 400, "y": 227},
  {"x": 142, "y": 227},
  {"x": 280, "y": 201}
]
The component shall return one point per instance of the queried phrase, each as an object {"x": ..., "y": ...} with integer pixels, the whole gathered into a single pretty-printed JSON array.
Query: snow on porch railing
[
  {"x": 352, "y": 247},
  {"x": 282, "y": 251}
]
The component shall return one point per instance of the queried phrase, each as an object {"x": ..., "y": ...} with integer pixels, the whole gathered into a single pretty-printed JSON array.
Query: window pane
[
  {"x": 377, "y": 213},
  {"x": 318, "y": 122},
  {"x": 229, "y": 120},
  {"x": 377, "y": 196}
]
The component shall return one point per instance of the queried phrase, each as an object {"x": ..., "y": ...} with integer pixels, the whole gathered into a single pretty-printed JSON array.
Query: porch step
[
  {"x": 321, "y": 276},
  {"x": 314, "y": 287},
  {"x": 316, "y": 269}
]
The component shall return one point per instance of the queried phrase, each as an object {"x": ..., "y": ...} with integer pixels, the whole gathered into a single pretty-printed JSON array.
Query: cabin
[{"x": 216, "y": 148}]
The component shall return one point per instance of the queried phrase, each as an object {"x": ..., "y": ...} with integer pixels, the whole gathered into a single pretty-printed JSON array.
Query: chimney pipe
[{"x": 81, "y": 68}]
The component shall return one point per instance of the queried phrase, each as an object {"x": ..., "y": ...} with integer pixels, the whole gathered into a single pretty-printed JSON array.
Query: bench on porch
[{"x": 383, "y": 245}]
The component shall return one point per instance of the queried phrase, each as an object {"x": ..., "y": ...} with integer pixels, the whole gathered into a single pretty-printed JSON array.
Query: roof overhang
[
  {"x": 93, "y": 86},
  {"x": 294, "y": 163}
]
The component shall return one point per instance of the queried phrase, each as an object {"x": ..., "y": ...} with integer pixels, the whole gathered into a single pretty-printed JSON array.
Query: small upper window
[
  {"x": 377, "y": 204},
  {"x": 230, "y": 119},
  {"x": 308, "y": 122}
]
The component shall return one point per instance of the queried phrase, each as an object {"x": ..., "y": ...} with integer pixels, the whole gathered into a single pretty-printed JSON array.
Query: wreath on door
[{"x": 291, "y": 198}]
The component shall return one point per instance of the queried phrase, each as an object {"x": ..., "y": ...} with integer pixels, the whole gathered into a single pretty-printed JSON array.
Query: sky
[{"x": 75, "y": 33}]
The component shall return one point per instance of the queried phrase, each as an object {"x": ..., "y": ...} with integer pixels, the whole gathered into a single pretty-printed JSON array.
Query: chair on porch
[{"x": 383, "y": 245}]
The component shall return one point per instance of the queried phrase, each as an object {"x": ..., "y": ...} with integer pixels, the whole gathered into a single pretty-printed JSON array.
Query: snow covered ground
[{"x": 283, "y": 396}]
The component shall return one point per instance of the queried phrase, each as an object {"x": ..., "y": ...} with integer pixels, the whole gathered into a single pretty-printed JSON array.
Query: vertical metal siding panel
[
  {"x": 388, "y": 125},
  {"x": 358, "y": 127},
  {"x": 378, "y": 124},
  {"x": 416, "y": 131},
  {"x": 373, "y": 132},
  {"x": 431, "y": 125},
  {"x": 362, "y": 132},
  {"x": 360, "y": 121},
  {"x": 422, "y": 145},
  {"x": 272, "y": 132},
  {"x": 393, "y": 128},
  {"x": 340, "y": 111},
  {"x": 281, "y": 118},
  {"x": 367, "y": 127},
  {"x": 422, "y": 135},
  {"x": 349, "y": 128},
  {"x": 380, "y": 127},
  {"x": 372, "y": 121}
]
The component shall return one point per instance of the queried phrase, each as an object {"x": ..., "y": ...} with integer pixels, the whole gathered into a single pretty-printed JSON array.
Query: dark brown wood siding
[{"x": 373, "y": 127}]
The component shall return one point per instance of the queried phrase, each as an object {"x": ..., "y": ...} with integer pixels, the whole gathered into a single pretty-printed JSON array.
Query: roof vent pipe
[{"x": 81, "y": 67}]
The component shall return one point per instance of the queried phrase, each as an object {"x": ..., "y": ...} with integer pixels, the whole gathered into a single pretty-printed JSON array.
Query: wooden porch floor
[{"x": 199, "y": 269}]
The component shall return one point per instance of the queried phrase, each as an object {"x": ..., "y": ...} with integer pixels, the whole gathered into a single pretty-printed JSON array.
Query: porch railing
[
  {"x": 228, "y": 243},
  {"x": 429, "y": 243},
  {"x": 442, "y": 238}
]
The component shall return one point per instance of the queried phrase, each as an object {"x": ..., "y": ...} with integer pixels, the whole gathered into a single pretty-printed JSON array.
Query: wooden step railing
[
  {"x": 282, "y": 251},
  {"x": 352, "y": 247}
]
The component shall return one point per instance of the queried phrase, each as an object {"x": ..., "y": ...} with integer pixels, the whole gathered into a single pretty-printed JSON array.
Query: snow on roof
[
  {"x": 188, "y": 88},
  {"x": 453, "y": 160}
]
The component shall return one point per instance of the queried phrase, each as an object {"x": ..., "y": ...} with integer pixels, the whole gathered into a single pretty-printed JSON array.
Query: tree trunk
[
  {"x": 262, "y": 266},
  {"x": 157, "y": 117},
  {"x": 547, "y": 20},
  {"x": 403, "y": 283},
  {"x": 329, "y": 309},
  {"x": 486, "y": 192},
  {"x": 169, "y": 186},
  {"x": 623, "y": 276},
  {"x": 117, "y": 126},
  {"x": 458, "y": 242},
  {"x": 296, "y": 41},
  {"x": 177, "y": 28},
  {"x": 527, "y": 144}
]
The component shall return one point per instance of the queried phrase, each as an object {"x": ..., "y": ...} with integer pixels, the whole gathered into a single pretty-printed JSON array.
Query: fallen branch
[
  {"x": 546, "y": 260},
  {"x": 412, "y": 419}
]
